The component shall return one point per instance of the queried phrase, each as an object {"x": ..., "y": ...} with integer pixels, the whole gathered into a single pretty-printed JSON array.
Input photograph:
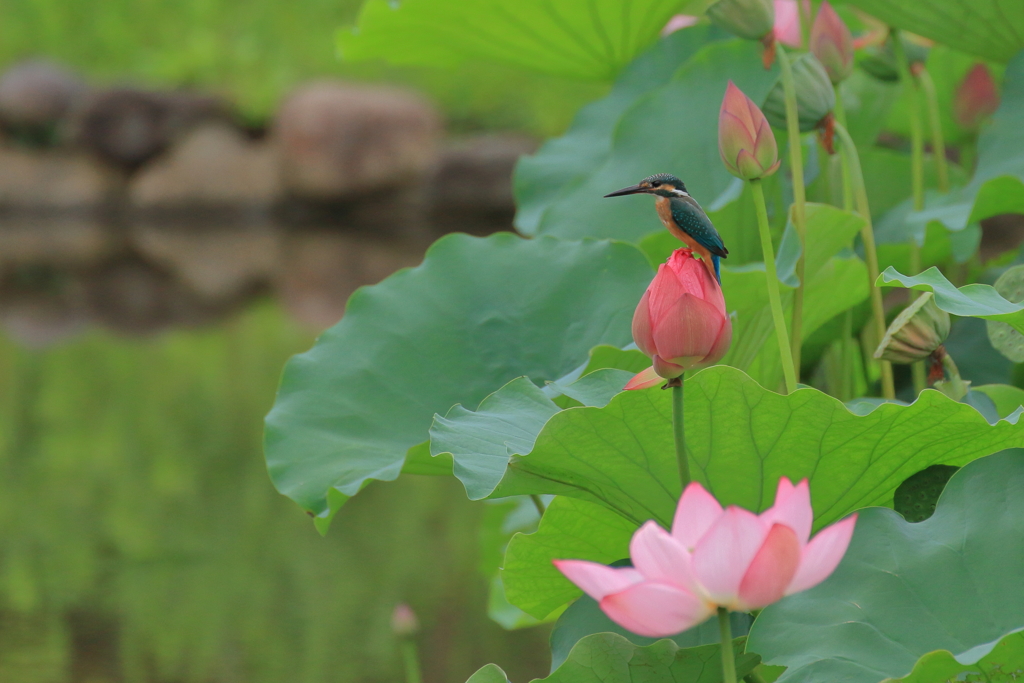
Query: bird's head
[{"x": 661, "y": 184}]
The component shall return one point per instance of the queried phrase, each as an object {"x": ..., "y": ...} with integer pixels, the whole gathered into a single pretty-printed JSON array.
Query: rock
[
  {"x": 214, "y": 164},
  {"x": 37, "y": 94},
  {"x": 336, "y": 141},
  {"x": 61, "y": 240},
  {"x": 127, "y": 127},
  {"x": 320, "y": 269},
  {"x": 133, "y": 297},
  {"x": 216, "y": 263},
  {"x": 476, "y": 172},
  {"x": 52, "y": 180}
]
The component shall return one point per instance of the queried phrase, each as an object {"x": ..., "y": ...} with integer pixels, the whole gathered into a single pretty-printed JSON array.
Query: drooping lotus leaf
[
  {"x": 992, "y": 29},
  {"x": 476, "y": 314},
  {"x": 905, "y": 592},
  {"x": 673, "y": 129},
  {"x": 1004, "y": 338},
  {"x": 582, "y": 39},
  {"x": 561, "y": 161},
  {"x": 974, "y": 300}
]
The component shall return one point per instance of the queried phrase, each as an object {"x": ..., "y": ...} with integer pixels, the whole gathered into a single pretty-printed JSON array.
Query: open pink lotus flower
[{"x": 713, "y": 558}]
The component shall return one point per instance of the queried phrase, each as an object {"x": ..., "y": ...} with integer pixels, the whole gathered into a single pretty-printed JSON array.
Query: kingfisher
[{"x": 683, "y": 217}]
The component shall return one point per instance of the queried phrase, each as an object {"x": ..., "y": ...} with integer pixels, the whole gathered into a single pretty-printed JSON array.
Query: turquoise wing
[{"x": 688, "y": 215}]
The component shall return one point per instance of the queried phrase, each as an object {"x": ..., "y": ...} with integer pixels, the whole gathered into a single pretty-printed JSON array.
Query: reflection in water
[{"x": 140, "y": 537}]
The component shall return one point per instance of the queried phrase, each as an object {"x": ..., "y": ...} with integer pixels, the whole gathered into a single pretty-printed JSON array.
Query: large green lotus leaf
[
  {"x": 584, "y": 39},
  {"x": 993, "y": 29},
  {"x": 998, "y": 183},
  {"x": 490, "y": 673},
  {"x": 1006, "y": 398},
  {"x": 673, "y": 129},
  {"x": 570, "y": 529},
  {"x": 476, "y": 314},
  {"x": 974, "y": 300},
  {"x": 584, "y": 617},
  {"x": 561, "y": 161},
  {"x": 741, "y": 438},
  {"x": 904, "y": 591},
  {"x": 1004, "y": 664},
  {"x": 610, "y": 658}
]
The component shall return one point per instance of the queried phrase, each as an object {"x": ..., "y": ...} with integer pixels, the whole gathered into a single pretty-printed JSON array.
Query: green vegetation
[
  {"x": 140, "y": 538},
  {"x": 255, "y": 51}
]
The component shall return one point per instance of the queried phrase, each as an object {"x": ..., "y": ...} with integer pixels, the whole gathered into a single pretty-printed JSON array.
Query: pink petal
[
  {"x": 772, "y": 569},
  {"x": 737, "y": 105},
  {"x": 689, "y": 331},
  {"x": 677, "y": 22},
  {"x": 645, "y": 379},
  {"x": 720, "y": 348},
  {"x": 787, "y": 22},
  {"x": 665, "y": 290},
  {"x": 821, "y": 556},
  {"x": 598, "y": 580},
  {"x": 660, "y": 557},
  {"x": 793, "y": 508},
  {"x": 642, "y": 330},
  {"x": 655, "y": 609},
  {"x": 696, "y": 512},
  {"x": 666, "y": 369},
  {"x": 723, "y": 555},
  {"x": 748, "y": 166}
]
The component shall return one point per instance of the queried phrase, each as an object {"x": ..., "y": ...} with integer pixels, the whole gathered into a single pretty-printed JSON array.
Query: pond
[{"x": 140, "y": 537}]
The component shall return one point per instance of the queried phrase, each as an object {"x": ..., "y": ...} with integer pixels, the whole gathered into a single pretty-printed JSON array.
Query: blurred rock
[
  {"x": 41, "y": 305},
  {"x": 58, "y": 180},
  {"x": 127, "y": 127},
  {"x": 337, "y": 141},
  {"x": 320, "y": 269},
  {"x": 476, "y": 172},
  {"x": 35, "y": 95},
  {"x": 133, "y": 297},
  {"x": 214, "y": 164},
  {"x": 55, "y": 240},
  {"x": 216, "y": 263}
]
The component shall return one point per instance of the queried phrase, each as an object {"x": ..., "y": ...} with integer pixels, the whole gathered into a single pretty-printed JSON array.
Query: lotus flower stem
[
  {"x": 935, "y": 123},
  {"x": 411, "y": 659},
  {"x": 954, "y": 374},
  {"x": 677, "y": 431},
  {"x": 867, "y": 233},
  {"x": 725, "y": 640},
  {"x": 538, "y": 503},
  {"x": 840, "y": 112},
  {"x": 753, "y": 677},
  {"x": 796, "y": 164},
  {"x": 774, "y": 299},
  {"x": 918, "y": 371}
]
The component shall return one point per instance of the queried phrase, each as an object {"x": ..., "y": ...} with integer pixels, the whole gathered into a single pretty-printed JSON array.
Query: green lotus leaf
[
  {"x": 992, "y": 29},
  {"x": 671, "y": 129},
  {"x": 476, "y": 314},
  {"x": 489, "y": 673},
  {"x": 1006, "y": 398},
  {"x": 974, "y": 300},
  {"x": 904, "y": 592},
  {"x": 583, "y": 39}
]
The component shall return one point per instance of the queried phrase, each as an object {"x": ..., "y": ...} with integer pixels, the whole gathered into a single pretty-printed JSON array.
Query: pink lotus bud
[
  {"x": 681, "y": 321},
  {"x": 677, "y": 22},
  {"x": 745, "y": 140},
  {"x": 787, "y": 21},
  {"x": 976, "y": 98},
  {"x": 712, "y": 558},
  {"x": 832, "y": 43},
  {"x": 403, "y": 621}
]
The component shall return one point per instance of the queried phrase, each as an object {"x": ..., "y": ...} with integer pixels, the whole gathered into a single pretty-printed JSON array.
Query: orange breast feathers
[{"x": 664, "y": 207}]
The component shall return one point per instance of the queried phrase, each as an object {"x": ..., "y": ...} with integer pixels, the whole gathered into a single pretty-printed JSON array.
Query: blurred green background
[
  {"x": 254, "y": 51},
  {"x": 141, "y": 540}
]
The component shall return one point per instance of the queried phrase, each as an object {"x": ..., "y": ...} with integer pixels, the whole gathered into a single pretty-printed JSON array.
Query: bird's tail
[{"x": 717, "y": 261}]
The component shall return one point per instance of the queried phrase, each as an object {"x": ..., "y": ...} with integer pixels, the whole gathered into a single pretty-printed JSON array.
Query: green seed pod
[
  {"x": 916, "y": 497},
  {"x": 880, "y": 62},
  {"x": 750, "y": 19},
  {"x": 1004, "y": 338},
  {"x": 917, "y": 331},
  {"x": 815, "y": 96}
]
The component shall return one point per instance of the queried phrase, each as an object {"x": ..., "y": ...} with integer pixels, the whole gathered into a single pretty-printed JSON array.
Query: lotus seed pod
[
  {"x": 815, "y": 96},
  {"x": 1004, "y": 338},
  {"x": 880, "y": 62},
  {"x": 917, "y": 331},
  {"x": 916, "y": 497},
  {"x": 750, "y": 19}
]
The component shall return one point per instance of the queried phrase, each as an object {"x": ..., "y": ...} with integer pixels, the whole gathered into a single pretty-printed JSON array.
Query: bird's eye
[{"x": 655, "y": 184}]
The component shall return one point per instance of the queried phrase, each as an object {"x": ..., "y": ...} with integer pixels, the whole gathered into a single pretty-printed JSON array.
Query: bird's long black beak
[{"x": 632, "y": 189}]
